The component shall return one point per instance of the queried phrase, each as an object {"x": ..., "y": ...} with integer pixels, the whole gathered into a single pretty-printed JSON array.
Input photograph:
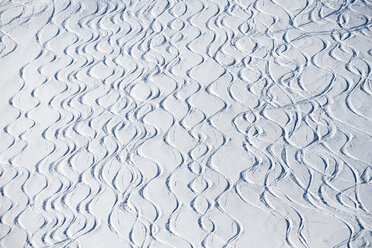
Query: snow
[{"x": 225, "y": 123}]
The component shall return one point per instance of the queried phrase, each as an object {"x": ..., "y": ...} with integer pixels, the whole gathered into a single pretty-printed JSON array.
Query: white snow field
[{"x": 194, "y": 123}]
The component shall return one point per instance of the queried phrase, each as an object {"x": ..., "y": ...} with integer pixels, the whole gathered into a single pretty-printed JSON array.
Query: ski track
[{"x": 226, "y": 123}]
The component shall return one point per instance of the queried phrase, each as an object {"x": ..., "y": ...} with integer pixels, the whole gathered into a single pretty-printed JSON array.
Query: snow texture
[{"x": 195, "y": 123}]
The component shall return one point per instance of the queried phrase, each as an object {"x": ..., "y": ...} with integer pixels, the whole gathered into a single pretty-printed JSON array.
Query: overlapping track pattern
[{"x": 186, "y": 123}]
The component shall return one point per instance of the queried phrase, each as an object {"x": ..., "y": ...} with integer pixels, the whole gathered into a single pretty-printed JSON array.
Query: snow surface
[{"x": 195, "y": 123}]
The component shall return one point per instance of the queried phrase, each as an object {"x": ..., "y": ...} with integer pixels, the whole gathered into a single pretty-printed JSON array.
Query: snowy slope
[{"x": 195, "y": 123}]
